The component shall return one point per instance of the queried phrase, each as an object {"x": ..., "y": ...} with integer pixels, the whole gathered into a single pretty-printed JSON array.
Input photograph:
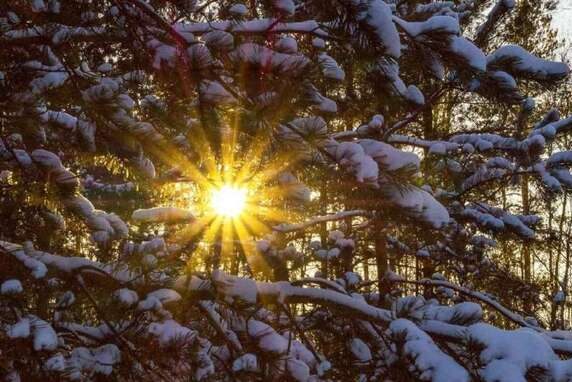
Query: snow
[
  {"x": 126, "y": 296},
  {"x": 20, "y": 329},
  {"x": 261, "y": 56},
  {"x": 48, "y": 81},
  {"x": 335, "y": 235},
  {"x": 44, "y": 336},
  {"x": 12, "y": 376},
  {"x": 559, "y": 297},
  {"x": 200, "y": 57},
  {"x": 376, "y": 122},
  {"x": 509, "y": 354},
  {"x": 106, "y": 67},
  {"x": 98, "y": 360},
  {"x": 150, "y": 303},
  {"x": 497, "y": 219},
  {"x": 518, "y": 61},
  {"x": 213, "y": 92},
  {"x": 285, "y": 6},
  {"x": 232, "y": 288},
  {"x": 323, "y": 367},
  {"x": 238, "y": 314},
  {"x": 90, "y": 183},
  {"x": 529, "y": 104},
  {"x": 235, "y": 288},
  {"x": 218, "y": 40},
  {"x": 252, "y": 26},
  {"x": 318, "y": 43},
  {"x": 287, "y": 45},
  {"x": 162, "y": 215},
  {"x": 246, "y": 362},
  {"x": 266, "y": 338},
  {"x": 352, "y": 278},
  {"x": 503, "y": 79},
  {"x": 11, "y": 287},
  {"x": 293, "y": 188},
  {"x": 238, "y": 9},
  {"x": 163, "y": 54},
  {"x": 436, "y": 7},
  {"x": 360, "y": 350},
  {"x": 435, "y": 24},
  {"x": 169, "y": 330},
  {"x": 377, "y": 15},
  {"x": 484, "y": 219},
  {"x": 65, "y": 300},
  {"x": 469, "y": 53},
  {"x": 38, "y": 6},
  {"x": 561, "y": 371},
  {"x": 390, "y": 70},
  {"x": 562, "y": 157},
  {"x": 563, "y": 176},
  {"x": 514, "y": 223},
  {"x": 104, "y": 226},
  {"x": 462, "y": 313},
  {"x": 145, "y": 166},
  {"x": 485, "y": 142},
  {"x": 333, "y": 253},
  {"x": 323, "y": 104},
  {"x": 330, "y": 68},
  {"x": 165, "y": 296},
  {"x": 438, "y": 148},
  {"x": 263, "y": 246},
  {"x": 298, "y": 370},
  {"x": 353, "y": 157},
  {"x": 500, "y": 163},
  {"x": 420, "y": 203},
  {"x": 149, "y": 261},
  {"x": 414, "y": 95},
  {"x": 38, "y": 269},
  {"x": 38, "y": 261},
  {"x": 430, "y": 363},
  {"x": 56, "y": 363},
  {"x": 316, "y": 220}
]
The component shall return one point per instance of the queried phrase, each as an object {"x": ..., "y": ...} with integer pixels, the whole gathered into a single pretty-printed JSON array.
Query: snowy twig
[
  {"x": 286, "y": 228},
  {"x": 476, "y": 295}
]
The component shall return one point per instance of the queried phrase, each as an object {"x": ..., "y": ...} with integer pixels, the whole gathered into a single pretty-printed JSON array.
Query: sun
[{"x": 228, "y": 200}]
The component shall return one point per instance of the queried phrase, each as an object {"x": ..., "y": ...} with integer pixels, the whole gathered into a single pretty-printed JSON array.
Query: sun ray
[
  {"x": 254, "y": 156},
  {"x": 202, "y": 145},
  {"x": 255, "y": 260},
  {"x": 267, "y": 171},
  {"x": 227, "y": 238},
  {"x": 238, "y": 190},
  {"x": 213, "y": 229},
  {"x": 255, "y": 226},
  {"x": 194, "y": 229}
]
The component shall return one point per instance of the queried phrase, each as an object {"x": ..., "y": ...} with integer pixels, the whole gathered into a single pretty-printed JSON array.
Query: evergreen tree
[{"x": 198, "y": 190}]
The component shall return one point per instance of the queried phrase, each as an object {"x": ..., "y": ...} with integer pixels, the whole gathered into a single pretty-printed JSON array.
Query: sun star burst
[{"x": 228, "y": 200}]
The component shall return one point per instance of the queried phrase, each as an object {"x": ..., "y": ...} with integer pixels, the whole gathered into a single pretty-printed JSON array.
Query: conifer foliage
[{"x": 119, "y": 117}]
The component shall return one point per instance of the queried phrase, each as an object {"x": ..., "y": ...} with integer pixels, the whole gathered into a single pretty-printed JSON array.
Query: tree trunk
[
  {"x": 526, "y": 246},
  {"x": 324, "y": 227},
  {"x": 381, "y": 260},
  {"x": 427, "y": 268},
  {"x": 348, "y": 253}
]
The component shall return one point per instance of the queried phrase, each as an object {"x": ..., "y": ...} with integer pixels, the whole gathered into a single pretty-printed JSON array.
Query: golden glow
[
  {"x": 228, "y": 201},
  {"x": 233, "y": 185}
]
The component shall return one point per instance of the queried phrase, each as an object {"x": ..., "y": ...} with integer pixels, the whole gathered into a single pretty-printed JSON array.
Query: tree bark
[{"x": 381, "y": 260}]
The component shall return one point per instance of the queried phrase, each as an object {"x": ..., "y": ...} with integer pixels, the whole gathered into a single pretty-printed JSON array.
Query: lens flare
[{"x": 228, "y": 201}]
